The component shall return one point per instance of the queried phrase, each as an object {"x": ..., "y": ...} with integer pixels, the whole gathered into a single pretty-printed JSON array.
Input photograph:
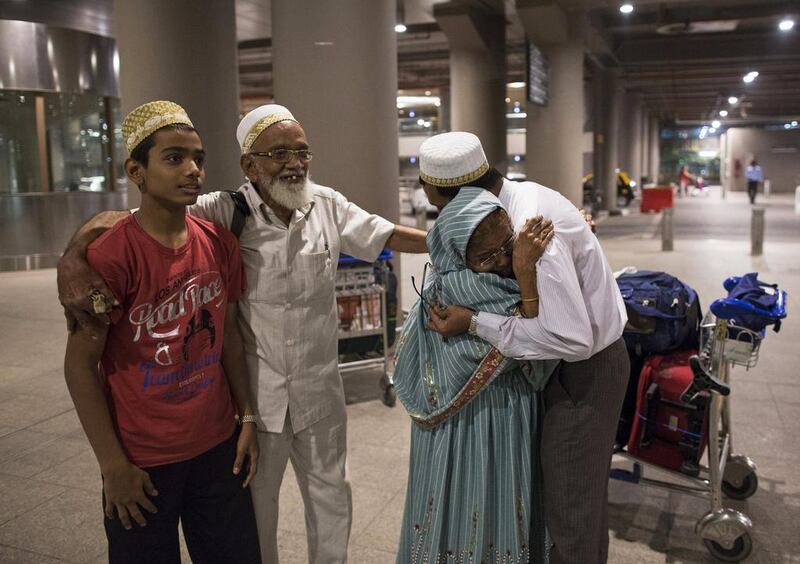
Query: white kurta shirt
[
  {"x": 288, "y": 314},
  {"x": 581, "y": 311}
]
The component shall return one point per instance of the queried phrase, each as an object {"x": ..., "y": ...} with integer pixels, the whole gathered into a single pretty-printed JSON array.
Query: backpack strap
[{"x": 241, "y": 211}]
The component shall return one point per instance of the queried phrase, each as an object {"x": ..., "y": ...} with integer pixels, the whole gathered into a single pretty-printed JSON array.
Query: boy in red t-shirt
[{"x": 154, "y": 392}]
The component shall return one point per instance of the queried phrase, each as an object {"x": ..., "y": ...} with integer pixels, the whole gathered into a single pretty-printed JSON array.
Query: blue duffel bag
[
  {"x": 663, "y": 313},
  {"x": 751, "y": 304}
]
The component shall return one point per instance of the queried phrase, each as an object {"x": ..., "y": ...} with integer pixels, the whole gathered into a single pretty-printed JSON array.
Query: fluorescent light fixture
[
  {"x": 400, "y": 28},
  {"x": 516, "y": 85},
  {"x": 750, "y": 76},
  {"x": 626, "y": 8},
  {"x": 707, "y": 154},
  {"x": 703, "y": 132},
  {"x": 786, "y": 24},
  {"x": 715, "y": 124},
  {"x": 519, "y": 115},
  {"x": 409, "y": 101},
  {"x": 723, "y": 113},
  {"x": 732, "y": 100}
]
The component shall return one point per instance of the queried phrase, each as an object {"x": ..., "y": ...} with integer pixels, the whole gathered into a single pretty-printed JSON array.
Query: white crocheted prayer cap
[
  {"x": 452, "y": 159},
  {"x": 257, "y": 121}
]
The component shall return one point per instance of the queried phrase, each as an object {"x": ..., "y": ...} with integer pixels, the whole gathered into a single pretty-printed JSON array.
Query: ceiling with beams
[{"x": 685, "y": 57}]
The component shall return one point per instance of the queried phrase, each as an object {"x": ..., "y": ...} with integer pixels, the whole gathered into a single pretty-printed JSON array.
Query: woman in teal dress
[{"x": 472, "y": 488}]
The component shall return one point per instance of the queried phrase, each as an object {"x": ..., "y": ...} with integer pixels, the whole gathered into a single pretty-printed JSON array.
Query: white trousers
[{"x": 318, "y": 455}]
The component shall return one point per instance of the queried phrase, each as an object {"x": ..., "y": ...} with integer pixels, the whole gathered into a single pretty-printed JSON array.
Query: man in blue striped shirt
[{"x": 755, "y": 176}]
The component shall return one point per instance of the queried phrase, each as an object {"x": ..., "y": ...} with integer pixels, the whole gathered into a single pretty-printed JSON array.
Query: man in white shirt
[
  {"x": 290, "y": 246},
  {"x": 580, "y": 321}
]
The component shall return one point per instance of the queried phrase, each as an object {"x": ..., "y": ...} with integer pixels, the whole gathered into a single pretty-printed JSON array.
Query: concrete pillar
[
  {"x": 655, "y": 148},
  {"x": 444, "y": 109},
  {"x": 334, "y": 65},
  {"x": 611, "y": 101},
  {"x": 598, "y": 129},
  {"x": 185, "y": 51},
  {"x": 644, "y": 127},
  {"x": 477, "y": 74},
  {"x": 630, "y": 124},
  {"x": 554, "y": 137},
  {"x": 723, "y": 163}
]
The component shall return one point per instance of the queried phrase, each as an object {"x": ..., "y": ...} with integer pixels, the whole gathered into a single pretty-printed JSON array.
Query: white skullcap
[
  {"x": 258, "y": 120},
  {"x": 452, "y": 159}
]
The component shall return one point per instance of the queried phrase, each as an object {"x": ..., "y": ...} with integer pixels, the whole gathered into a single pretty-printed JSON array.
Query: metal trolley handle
[{"x": 703, "y": 381}]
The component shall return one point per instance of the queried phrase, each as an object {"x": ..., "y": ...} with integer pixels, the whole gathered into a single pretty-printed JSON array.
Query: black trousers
[
  {"x": 216, "y": 514},
  {"x": 752, "y": 188},
  {"x": 582, "y": 407}
]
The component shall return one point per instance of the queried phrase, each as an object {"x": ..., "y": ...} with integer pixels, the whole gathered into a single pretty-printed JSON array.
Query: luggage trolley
[
  {"x": 723, "y": 344},
  {"x": 362, "y": 296}
]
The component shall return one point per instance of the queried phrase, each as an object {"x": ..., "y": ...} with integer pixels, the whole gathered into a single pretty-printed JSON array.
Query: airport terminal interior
[{"x": 675, "y": 123}]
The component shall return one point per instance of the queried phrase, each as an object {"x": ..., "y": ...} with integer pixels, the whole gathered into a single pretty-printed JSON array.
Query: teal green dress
[{"x": 473, "y": 487}]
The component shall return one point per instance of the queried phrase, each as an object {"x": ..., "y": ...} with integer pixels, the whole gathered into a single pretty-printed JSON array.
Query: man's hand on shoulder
[
  {"x": 86, "y": 298},
  {"x": 84, "y": 294},
  {"x": 589, "y": 219},
  {"x": 452, "y": 321}
]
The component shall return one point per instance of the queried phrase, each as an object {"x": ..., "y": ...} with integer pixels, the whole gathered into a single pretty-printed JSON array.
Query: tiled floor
[{"x": 49, "y": 482}]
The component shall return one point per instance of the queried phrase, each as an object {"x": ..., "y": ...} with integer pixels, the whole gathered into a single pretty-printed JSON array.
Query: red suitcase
[{"x": 667, "y": 431}]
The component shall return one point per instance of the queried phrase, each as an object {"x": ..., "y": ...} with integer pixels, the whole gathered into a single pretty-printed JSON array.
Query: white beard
[{"x": 288, "y": 195}]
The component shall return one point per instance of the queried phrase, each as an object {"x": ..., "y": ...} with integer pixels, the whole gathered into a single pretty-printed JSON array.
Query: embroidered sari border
[{"x": 482, "y": 377}]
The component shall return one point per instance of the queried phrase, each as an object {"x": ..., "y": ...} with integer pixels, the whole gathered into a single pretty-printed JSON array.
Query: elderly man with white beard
[{"x": 290, "y": 245}]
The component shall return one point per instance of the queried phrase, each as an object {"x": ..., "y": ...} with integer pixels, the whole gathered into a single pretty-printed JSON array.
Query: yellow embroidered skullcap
[
  {"x": 150, "y": 117},
  {"x": 258, "y": 120},
  {"x": 452, "y": 159}
]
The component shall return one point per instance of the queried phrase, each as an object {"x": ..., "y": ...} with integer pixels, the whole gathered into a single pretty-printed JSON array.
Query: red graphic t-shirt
[{"x": 162, "y": 362}]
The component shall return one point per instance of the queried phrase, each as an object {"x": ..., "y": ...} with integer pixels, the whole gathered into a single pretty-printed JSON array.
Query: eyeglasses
[
  {"x": 501, "y": 251},
  {"x": 421, "y": 291},
  {"x": 285, "y": 155}
]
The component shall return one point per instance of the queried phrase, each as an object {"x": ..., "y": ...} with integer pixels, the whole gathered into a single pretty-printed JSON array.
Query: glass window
[
  {"x": 77, "y": 138},
  {"x": 19, "y": 145},
  {"x": 118, "y": 147}
]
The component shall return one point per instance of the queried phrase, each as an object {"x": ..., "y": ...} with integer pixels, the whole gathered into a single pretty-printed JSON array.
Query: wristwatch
[{"x": 473, "y": 324}]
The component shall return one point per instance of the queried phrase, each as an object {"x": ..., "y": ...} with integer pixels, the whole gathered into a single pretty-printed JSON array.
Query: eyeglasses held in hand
[
  {"x": 420, "y": 292},
  {"x": 285, "y": 155}
]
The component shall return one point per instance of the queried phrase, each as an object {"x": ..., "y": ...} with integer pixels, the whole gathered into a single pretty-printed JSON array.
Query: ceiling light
[
  {"x": 732, "y": 100},
  {"x": 712, "y": 130},
  {"x": 794, "y": 124},
  {"x": 626, "y": 8},
  {"x": 715, "y": 124},
  {"x": 400, "y": 28},
  {"x": 723, "y": 113},
  {"x": 750, "y": 76},
  {"x": 516, "y": 85},
  {"x": 787, "y": 125},
  {"x": 786, "y": 24}
]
